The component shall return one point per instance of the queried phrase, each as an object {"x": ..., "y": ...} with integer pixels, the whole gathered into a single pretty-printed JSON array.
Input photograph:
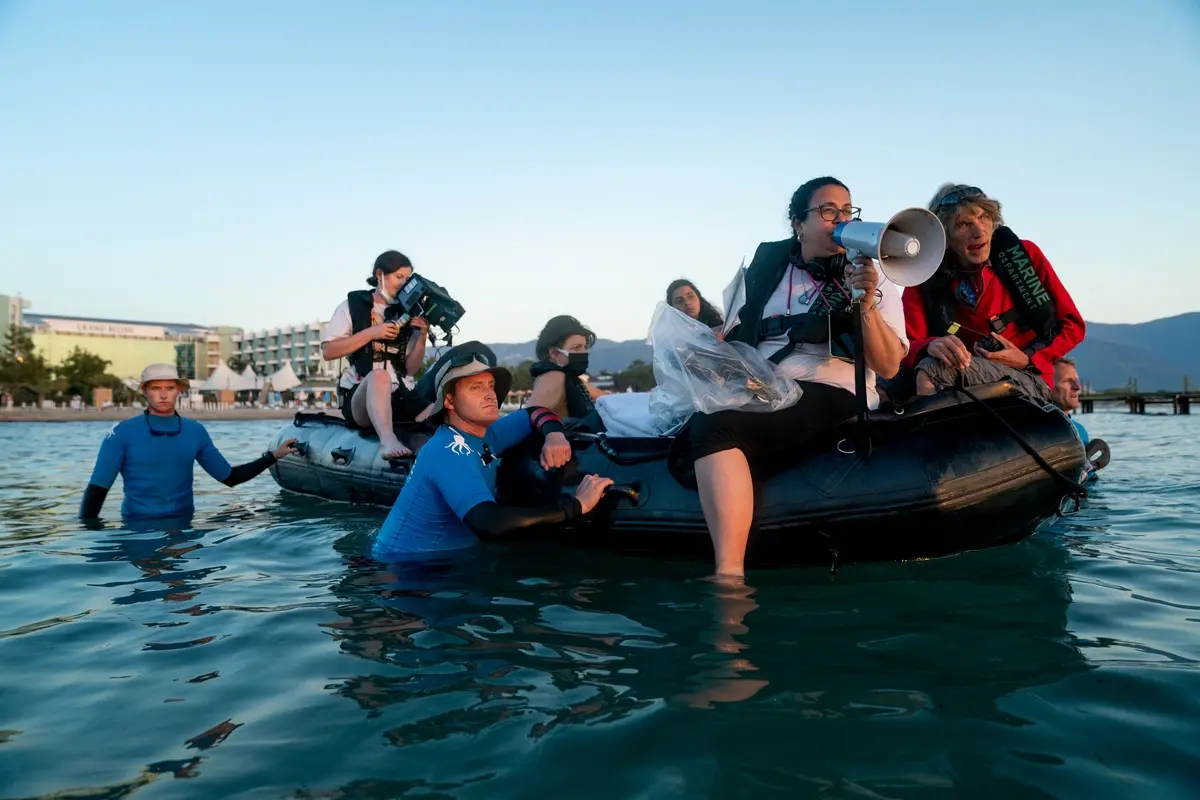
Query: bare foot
[{"x": 391, "y": 448}]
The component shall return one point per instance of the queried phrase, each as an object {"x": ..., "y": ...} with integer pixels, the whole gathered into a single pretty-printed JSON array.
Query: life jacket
[
  {"x": 770, "y": 263},
  {"x": 1033, "y": 308},
  {"x": 579, "y": 402},
  {"x": 361, "y": 303}
]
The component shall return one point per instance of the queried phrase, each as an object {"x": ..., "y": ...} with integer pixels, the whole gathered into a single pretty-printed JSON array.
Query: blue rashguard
[
  {"x": 157, "y": 470},
  {"x": 1083, "y": 434},
  {"x": 448, "y": 479}
]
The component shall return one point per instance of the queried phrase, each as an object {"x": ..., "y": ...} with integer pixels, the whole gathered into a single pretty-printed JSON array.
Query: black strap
[
  {"x": 806, "y": 328},
  {"x": 862, "y": 429},
  {"x": 1074, "y": 489},
  {"x": 1012, "y": 263}
]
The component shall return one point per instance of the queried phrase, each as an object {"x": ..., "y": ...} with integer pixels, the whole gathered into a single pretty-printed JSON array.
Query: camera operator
[{"x": 371, "y": 391}]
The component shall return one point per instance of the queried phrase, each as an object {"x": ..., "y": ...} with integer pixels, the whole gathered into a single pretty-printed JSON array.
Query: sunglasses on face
[{"x": 154, "y": 432}]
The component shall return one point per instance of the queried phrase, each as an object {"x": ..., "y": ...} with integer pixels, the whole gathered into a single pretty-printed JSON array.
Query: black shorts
[
  {"x": 406, "y": 405},
  {"x": 764, "y": 436}
]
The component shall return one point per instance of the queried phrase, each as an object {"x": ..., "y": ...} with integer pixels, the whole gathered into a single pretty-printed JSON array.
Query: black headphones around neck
[{"x": 821, "y": 269}]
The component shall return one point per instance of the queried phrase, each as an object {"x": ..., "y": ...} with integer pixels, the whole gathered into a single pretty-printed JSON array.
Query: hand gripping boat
[{"x": 953, "y": 472}]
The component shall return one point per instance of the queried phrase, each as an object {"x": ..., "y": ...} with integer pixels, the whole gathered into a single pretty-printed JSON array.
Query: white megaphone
[{"x": 909, "y": 246}]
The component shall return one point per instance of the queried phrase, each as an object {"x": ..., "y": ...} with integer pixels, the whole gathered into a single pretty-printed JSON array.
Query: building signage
[{"x": 94, "y": 328}]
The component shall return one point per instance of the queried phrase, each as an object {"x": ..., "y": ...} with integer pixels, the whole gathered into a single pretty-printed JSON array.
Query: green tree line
[
  {"x": 25, "y": 374},
  {"x": 638, "y": 376}
]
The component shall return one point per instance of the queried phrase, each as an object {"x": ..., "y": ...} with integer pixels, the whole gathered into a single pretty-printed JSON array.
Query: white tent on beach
[
  {"x": 222, "y": 379},
  {"x": 251, "y": 381},
  {"x": 283, "y": 379}
]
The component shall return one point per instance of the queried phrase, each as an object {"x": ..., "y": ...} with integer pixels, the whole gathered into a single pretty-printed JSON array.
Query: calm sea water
[{"x": 257, "y": 653}]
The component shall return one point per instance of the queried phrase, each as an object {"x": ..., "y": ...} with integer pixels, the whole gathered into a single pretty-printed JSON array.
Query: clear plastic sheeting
[{"x": 696, "y": 371}]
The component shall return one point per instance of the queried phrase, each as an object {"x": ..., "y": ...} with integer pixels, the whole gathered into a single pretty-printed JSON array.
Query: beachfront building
[
  {"x": 197, "y": 359},
  {"x": 299, "y": 345},
  {"x": 128, "y": 345},
  {"x": 11, "y": 312}
]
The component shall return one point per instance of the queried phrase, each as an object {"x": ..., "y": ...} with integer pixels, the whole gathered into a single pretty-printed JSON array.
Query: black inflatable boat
[{"x": 950, "y": 473}]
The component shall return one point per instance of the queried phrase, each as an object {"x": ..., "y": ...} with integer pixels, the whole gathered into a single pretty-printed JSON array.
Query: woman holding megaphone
[{"x": 797, "y": 313}]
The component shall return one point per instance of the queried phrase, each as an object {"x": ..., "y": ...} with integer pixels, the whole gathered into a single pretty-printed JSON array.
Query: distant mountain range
[{"x": 1158, "y": 353}]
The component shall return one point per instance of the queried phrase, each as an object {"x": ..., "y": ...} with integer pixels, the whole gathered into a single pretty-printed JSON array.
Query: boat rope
[{"x": 1075, "y": 490}]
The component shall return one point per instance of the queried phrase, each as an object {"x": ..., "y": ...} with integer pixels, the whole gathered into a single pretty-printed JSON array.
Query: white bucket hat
[
  {"x": 454, "y": 369},
  {"x": 162, "y": 372}
]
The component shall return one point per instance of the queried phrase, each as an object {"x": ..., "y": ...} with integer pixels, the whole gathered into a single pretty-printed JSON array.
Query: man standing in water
[
  {"x": 154, "y": 452},
  {"x": 1065, "y": 394}
]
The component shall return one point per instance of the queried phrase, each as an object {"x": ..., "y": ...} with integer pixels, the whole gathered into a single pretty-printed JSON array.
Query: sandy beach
[{"x": 118, "y": 414}]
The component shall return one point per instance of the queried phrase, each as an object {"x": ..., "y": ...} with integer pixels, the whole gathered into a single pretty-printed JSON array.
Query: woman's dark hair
[
  {"x": 798, "y": 208},
  {"x": 556, "y": 332},
  {"x": 708, "y": 313},
  {"x": 388, "y": 262}
]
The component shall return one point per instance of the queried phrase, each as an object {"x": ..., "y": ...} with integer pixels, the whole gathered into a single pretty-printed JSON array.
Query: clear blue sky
[{"x": 243, "y": 163}]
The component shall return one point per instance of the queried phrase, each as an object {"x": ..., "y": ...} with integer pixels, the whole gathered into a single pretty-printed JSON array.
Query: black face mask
[{"x": 577, "y": 363}]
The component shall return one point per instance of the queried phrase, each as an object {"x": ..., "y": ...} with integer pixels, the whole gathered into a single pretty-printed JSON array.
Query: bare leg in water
[
  {"x": 727, "y": 499},
  {"x": 371, "y": 405},
  {"x": 731, "y": 601}
]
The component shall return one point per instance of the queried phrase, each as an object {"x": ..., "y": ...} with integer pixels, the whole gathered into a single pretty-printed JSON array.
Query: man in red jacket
[{"x": 994, "y": 311}]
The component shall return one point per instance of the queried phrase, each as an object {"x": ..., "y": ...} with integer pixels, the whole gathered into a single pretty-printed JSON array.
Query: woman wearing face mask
[
  {"x": 797, "y": 291},
  {"x": 379, "y": 355},
  {"x": 562, "y": 351},
  {"x": 684, "y": 296}
]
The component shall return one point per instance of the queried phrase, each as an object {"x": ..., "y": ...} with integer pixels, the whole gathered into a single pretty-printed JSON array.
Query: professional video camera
[{"x": 421, "y": 297}]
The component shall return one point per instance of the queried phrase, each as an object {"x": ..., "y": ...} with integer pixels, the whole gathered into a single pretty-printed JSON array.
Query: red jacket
[{"x": 993, "y": 300}]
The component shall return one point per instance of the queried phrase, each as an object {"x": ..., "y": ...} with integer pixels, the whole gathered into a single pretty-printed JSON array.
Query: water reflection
[
  {"x": 159, "y": 549},
  {"x": 464, "y": 648}
]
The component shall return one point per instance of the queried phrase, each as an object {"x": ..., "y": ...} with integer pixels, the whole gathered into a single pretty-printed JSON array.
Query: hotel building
[{"x": 300, "y": 344}]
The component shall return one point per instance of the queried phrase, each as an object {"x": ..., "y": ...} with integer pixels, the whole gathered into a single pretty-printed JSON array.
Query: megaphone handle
[{"x": 851, "y": 256}]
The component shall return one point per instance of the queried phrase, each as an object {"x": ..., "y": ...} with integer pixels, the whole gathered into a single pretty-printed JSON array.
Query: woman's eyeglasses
[{"x": 830, "y": 213}]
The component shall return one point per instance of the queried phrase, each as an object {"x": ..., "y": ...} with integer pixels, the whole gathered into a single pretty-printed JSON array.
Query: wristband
[{"x": 545, "y": 421}]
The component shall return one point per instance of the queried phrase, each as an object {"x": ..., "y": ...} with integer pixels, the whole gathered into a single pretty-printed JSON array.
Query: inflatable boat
[{"x": 953, "y": 472}]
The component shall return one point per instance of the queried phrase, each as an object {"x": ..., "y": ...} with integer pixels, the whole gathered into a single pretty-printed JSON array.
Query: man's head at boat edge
[{"x": 1066, "y": 389}]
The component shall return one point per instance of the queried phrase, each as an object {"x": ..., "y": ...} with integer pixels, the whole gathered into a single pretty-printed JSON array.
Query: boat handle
[
  {"x": 629, "y": 492},
  {"x": 342, "y": 455},
  {"x": 301, "y": 448}
]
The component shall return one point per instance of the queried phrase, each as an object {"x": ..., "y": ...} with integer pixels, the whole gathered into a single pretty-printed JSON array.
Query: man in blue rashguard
[
  {"x": 154, "y": 452},
  {"x": 448, "y": 502}
]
